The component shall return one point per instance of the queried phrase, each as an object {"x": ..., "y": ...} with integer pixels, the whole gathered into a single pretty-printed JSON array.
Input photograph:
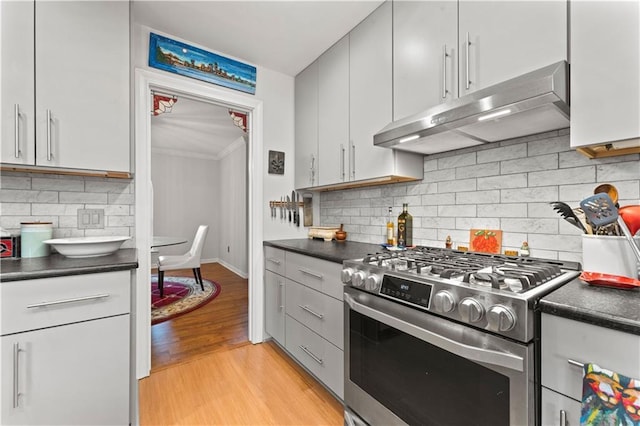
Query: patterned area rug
[{"x": 181, "y": 295}]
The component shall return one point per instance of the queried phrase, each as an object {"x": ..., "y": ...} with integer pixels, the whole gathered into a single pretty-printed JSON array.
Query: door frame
[{"x": 145, "y": 80}]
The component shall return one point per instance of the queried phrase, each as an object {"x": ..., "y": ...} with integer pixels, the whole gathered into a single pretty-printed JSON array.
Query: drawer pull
[
  {"x": 60, "y": 302},
  {"x": 315, "y": 314},
  {"x": 273, "y": 260},
  {"x": 308, "y": 352},
  {"x": 575, "y": 363},
  {"x": 16, "y": 370},
  {"x": 280, "y": 304},
  {"x": 313, "y": 274}
]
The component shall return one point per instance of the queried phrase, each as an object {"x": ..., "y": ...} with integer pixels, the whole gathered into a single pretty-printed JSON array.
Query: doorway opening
[{"x": 145, "y": 82}]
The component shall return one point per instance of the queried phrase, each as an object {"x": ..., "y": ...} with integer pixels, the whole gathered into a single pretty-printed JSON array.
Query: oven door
[{"x": 403, "y": 365}]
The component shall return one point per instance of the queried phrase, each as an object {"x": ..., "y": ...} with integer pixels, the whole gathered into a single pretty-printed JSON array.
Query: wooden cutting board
[{"x": 485, "y": 240}]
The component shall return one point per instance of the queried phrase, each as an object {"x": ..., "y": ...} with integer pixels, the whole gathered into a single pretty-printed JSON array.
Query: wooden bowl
[{"x": 341, "y": 235}]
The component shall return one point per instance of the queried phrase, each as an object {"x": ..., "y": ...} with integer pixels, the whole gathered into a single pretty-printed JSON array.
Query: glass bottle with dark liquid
[{"x": 405, "y": 228}]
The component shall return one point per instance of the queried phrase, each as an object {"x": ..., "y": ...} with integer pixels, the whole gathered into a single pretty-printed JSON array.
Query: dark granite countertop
[
  {"x": 58, "y": 265},
  {"x": 332, "y": 251},
  {"x": 606, "y": 307}
]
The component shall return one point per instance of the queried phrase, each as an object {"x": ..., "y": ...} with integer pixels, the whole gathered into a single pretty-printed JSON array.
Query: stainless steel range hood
[{"x": 532, "y": 103}]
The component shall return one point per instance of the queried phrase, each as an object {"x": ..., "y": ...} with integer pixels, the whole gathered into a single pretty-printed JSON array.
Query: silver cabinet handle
[
  {"x": 466, "y": 50},
  {"x": 60, "y": 302},
  {"x": 49, "y": 155},
  {"x": 274, "y": 260},
  {"x": 575, "y": 363},
  {"x": 353, "y": 160},
  {"x": 563, "y": 418},
  {"x": 313, "y": 169},
  {"x": 313, "y": 274},
  {"x": 16, "y": 116},
  {"x": 16, "y": 370},
  {"x": 308, "y": 352},
  {"x": 444, "y": 71},
  {"x": 315, "y": 314},
  {"x": 342, "y": 155},
  {"x": 280, "y": 304}
]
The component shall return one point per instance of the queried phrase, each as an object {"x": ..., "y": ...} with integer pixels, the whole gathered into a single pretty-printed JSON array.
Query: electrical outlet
[{"x": 90, "y": 218}]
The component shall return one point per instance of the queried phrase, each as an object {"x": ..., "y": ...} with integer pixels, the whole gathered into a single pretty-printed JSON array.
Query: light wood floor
[{"x": 205, "y": 371}]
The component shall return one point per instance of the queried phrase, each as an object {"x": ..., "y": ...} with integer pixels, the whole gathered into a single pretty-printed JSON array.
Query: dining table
[{"x": 165, "y": 241}]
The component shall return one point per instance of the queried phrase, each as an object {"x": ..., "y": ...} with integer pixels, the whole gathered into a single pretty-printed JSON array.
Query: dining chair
[{"x": 191, "y": 259}]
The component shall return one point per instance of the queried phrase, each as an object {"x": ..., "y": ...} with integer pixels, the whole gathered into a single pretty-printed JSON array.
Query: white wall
[
  {"x": 276, "y": 90},
  {"x": 232, "y": 232},
  {"x": 186, "y": 194}
]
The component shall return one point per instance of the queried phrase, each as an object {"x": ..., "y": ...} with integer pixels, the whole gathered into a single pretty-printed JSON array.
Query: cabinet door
[
  {"x": 82, "y": 84},
  {"x": 605, "y": 65},
  {"x": 306, "y": 127},
  {"x": 17, "y": 82},
  {"x": 508, "y": 38},
  {"x": 370, "y": 86},
  {"x": 333, "y": 113},
  {"x": 425, "y": 55},
  {"x": 76, "y": 374},
  {"x": 274, "y": 306},
  {"x": 557, "y": 407}
]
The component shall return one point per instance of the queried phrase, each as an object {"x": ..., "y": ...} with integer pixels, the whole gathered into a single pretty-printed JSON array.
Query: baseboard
[{"x": 226, "y": 265}]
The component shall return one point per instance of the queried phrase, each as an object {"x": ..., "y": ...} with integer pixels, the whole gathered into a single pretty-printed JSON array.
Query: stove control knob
[
  {"x": 471, "y": 310},
  {"x": 346, "y": 275},
  {"x": 372, "y": 283},
  {"x": 444, "y": 301},
  {"x": 357, "y": 279},
  {"x": 500, "y": 318}
]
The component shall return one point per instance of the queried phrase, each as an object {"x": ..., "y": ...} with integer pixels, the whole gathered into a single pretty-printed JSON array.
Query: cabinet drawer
[
  {"x": 553, "y": 404},
  {"x": 564, "y": 339},
  {"x": 319, "y": 356},
  {"x": 274, "y": 260},
  {"x": 318, "y": 274},
  {"x": 319, "y": 312},
  {"x": 32, "y": 304}
]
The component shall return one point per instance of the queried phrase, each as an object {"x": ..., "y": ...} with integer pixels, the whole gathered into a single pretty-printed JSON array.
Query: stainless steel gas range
[{"x": 443, "y": 337}]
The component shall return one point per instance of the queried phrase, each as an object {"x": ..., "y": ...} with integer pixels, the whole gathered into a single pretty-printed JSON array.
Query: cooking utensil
[
  {"x": 307, "y": 209},
  {"x": 631, "y": 216},
  {"x": 583, "y": 219},
  {"x": 567, "y": 214},
  {"x": 281, "y": 208},
  {"x": 294, "y": 209},
  {"x": 601, "y": 210},
  {"x": 340, "y": 234},
  {"x": 298, "y": 209},
  {"x": 608, "y": 280},
  {"x": 608, "y": 189},
  {"x": 289, "y": 207}
]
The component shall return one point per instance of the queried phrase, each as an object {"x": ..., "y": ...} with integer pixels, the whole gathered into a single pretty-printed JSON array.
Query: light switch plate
[{"x": 90, "y": 218}]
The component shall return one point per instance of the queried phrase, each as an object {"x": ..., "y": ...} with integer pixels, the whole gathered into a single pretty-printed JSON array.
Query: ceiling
[{"x": 283, "y": 36}]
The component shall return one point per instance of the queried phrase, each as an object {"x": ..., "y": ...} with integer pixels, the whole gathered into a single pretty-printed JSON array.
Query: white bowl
[{"x": 87, "y": 246}]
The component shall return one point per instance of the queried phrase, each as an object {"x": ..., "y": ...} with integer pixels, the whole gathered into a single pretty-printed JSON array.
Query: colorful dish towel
[{"x": 609, "y": 399}]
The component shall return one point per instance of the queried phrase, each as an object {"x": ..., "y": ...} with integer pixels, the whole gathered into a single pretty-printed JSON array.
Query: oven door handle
[{"x": 472, "y": 353}]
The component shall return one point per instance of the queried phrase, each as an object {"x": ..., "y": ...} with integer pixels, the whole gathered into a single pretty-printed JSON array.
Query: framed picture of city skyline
[{"x": 180, "y": 58}]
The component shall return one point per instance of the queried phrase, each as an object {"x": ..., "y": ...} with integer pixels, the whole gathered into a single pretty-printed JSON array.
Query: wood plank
[{"x": 205, "y": 371}]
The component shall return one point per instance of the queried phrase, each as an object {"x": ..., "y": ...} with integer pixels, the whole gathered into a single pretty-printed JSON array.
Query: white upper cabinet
[
  {"x": 17, "y": 120},
  {"x": 81, "y": 86},
  {"x": 333, "y": 113},
  {"x": 500, "y": 40},
  {"x": 446, "y": 49},
  {"x": 306, "y": 127},
  {"x": 425, "y": 55},
  {"x": 605, "y": 72}
]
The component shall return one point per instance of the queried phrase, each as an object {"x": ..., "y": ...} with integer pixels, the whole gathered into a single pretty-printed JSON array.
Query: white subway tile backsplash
[
  {"x": 57, "y": 198},
  {"x": 531, "y": 164},
  {"x": 464, "y": 189}
]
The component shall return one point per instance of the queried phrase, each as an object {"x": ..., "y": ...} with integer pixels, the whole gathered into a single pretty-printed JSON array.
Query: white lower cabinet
[
  {"x": 318, "y": 355},
  {"x": 558, "y": 409},
  {"x": 566, "y": 346},
  {"x": 65, "y": 349},
  {"x": 74, "y": 374}
]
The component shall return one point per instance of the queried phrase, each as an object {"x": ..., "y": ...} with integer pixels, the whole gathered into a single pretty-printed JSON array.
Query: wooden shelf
[{"x": 72, "y": 172}]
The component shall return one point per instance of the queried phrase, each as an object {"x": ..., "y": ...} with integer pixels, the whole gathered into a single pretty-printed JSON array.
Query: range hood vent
[{"x": 532, "y": 103}]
